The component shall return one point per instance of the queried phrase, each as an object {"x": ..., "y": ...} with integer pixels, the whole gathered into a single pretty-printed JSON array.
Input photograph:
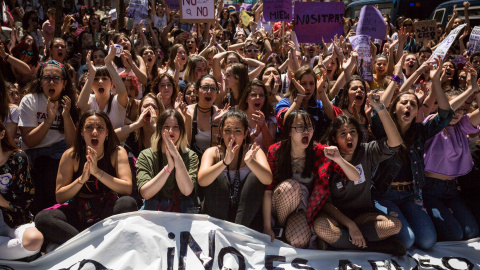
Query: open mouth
[
  {"x": 60, "y": 54},
  {"x": 407, "y": 114},
  {"x": 94, "y": 142},
  {"x": 359, "y": 97},
  {"x": 183, "y": 58},
  {"x": 208, "y": 99},
  {"x": 257, "y": 105},
  {"x": 305, "y": 140},
  {"x": 172, "y": 136},
  {"x": 150, "y": 59},
  {"x": 349, "y": 145},
  {"x": 329, "y": 71},
  {"x": 101, "y": 90},
  {"x": 411, "y": 65},
  {"x": 51, "y": 91}
]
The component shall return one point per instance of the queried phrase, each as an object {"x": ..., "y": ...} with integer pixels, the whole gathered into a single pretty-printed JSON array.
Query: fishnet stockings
[
  {"x": 385, "y": 226},
  {"x": 327, "y": 228},
  {"x": 297, "y": 231},
  {"x": 285, "y": 199}
]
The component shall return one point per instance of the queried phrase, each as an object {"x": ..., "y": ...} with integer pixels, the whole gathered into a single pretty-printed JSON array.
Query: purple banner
[
  {"x": 277, "y": 10},
  {"x": 173, "y": 4},
  {"x": 371, "y": 23},
  {"x": 317, "y": 20},
  {"x": 245, "y": 6}
]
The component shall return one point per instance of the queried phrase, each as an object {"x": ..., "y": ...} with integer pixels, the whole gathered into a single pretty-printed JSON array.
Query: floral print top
[{"x": 16, "y": 186}]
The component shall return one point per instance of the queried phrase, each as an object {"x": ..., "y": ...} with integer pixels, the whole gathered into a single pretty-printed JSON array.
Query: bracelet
[
  {"x": 6, "y": 57},
  {"x": 216, "y": 43},
  {"x": 166, "y": 169},
  {"x": 223, "y": 161},
  {"x": 101, "y": 176},
  {"x": 396, "y": 79},
  {"x": 380, "y": 108}
]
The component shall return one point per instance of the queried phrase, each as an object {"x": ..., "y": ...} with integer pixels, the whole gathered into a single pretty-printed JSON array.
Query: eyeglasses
[
  {"x": 148, "y": 53},
  {"x": 254, "y": 95},
  {"x": 252, "y": 51},
  {"x": 55, "y": 79},
  {"x": 205, "y": 88},
  {"x": 302, "y": 129},
  {"x": 29, "y": 52}
]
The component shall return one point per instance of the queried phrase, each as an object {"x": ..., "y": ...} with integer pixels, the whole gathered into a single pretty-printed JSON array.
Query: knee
[
  {"x": 32, "y": 239},
  {"x": 289, "y": 187},
  {"x": 44, "y": 218},
  {"x": 298, "y": 242},
  {"x": 406, "y": 236},
  {"x": 426, "y": 240},
  {"x": 396, "y": 225},
  {"x": 471, "y": 231},
  {"x": 323, "y": 229}
]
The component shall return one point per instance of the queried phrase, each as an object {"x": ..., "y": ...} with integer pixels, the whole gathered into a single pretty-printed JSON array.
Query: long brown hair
[
  {"x": 111, "y": 142},
  {"x": 266, "y": 108},
  {"x": 4, "y": 100},
  {"x": 139, "y": 134},
  {"x": 292, "y": 90},
  {"x": 411, "y": 135},
  {"x": 156, "y": 84}
]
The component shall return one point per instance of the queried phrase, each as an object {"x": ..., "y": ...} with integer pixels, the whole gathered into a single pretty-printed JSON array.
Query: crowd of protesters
[{"x": 238, "y": 121}]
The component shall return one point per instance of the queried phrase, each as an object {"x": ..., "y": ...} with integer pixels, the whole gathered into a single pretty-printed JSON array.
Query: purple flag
[
  {"x": 245, "y": 6},
  {"x": 371, "y": 23},
  {"x": 277, "y": 10},
  {"x": 314, "y": 20}
]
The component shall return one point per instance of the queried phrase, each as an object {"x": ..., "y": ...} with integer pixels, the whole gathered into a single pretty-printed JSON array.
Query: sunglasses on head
[{"x": 29, "y": 52}]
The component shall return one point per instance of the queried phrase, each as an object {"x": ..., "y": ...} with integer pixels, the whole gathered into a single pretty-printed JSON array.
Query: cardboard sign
[
  {"x": 444, "y": 46},
  {"x": 195, "y": 11},
  {"x": 277, "y": 10},
  {"x": 361, "y": 43},
  {"x": 138, "y": 10},
  {"x": 173, "y": 4},
  {"x": 474, "y": 41},
  {"x": 314, "y": 20},
  {"x": 371, "y": 23},
  {"x": 246, "y": 19},
  {"x": 425, "y": 30}
]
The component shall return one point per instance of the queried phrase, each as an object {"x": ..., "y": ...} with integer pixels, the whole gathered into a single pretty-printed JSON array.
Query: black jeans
[
  {"x": 217, "y": 199},
  {"x": 61, "y": 224}
]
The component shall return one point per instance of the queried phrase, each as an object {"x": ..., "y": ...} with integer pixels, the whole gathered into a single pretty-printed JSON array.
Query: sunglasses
[
  {"x": 29, "y": 52},
  {"x": 252, "y": 51}
]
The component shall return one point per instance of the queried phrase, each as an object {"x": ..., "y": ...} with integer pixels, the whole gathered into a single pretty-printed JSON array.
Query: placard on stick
[
  {"x": 314, "y": 20},
  {"x": 196, "y": 11},
  {"x": 425, "y": 30}
]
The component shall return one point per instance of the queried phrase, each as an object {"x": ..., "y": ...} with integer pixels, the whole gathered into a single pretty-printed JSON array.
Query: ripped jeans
[
  {"x": 417, "y": 227},
  {"x": 452, "y": 218}
]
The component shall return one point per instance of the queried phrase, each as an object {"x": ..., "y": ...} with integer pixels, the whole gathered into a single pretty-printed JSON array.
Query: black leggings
[
  {"x": 217, "y": 199},
  {"x": 61, "y": 224}
]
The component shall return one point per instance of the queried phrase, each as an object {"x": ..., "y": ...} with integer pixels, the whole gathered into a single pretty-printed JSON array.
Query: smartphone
[
  {"x": 278, "y": 232},
  {"x": 354, "y": 28}
]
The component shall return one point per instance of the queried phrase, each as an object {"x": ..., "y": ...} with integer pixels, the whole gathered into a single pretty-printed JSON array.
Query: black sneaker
[{"x": 390, "y": 245}]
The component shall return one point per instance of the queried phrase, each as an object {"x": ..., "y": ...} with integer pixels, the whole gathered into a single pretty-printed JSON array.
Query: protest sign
[
  {"x": 474, "y": 41},
  {"x": 173, "y": 4},
  {"x": 246, "y": 6},
  {"x": 163, "y": 240},
  {"x": 444, "y": 46},
  {"x": 361, "y": 43},
  {"x": 246, "y": 19},
  {"x": 196, "y": 11},
  {"x": 113, "y": 14},
  {"x": 425, "y": 30},
  {"x": 371, "y": 23},
  {"x": 460, "y": 62},
  {"x": 138, "y": 10},
  {"x": 277, "y": 10},
  {"x": 317, "y": 20}
]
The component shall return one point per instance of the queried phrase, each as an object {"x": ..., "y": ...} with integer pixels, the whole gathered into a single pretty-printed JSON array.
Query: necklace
[{"x": 203, "y": 110}]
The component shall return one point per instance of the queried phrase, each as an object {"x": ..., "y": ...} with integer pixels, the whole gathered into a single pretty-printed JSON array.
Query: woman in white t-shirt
[
  {"x": 46, "y": 113},
  {"x": 101, "y": 80}
]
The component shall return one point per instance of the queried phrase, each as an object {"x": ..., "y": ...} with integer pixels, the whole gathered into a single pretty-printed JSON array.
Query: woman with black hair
[
  {"x": 129, "y": 60},
  {"x": 30, "y": 24},
  {"x": 91, "y": 175},
  {"x": 100, "y": 80},
  {"x": 233, "y": 174},
  {"x": 27, "y": 52},
  {"x": 10, "y": 64},
  {"x": 301, "y": 171}
]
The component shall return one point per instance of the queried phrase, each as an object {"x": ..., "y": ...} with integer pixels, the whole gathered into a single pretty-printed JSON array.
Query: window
[{"x": 438, "y": 16}]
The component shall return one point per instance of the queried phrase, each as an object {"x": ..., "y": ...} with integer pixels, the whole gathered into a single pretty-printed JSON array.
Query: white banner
[
  {"x": 474, "y": 41},
  {"x": 444, "y": 46},
  {"x": 160, "y": 240}
]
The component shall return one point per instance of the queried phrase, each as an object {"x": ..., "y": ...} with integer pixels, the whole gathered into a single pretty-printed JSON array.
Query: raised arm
[
  {"x": 122, "y": 96},
  {"x": 437, "y": 85},
  {"x": 82, "y": 102},
  {"x": 388, "y": 94},
  {"x": 350, "y": 171},
  {"x": 394, "y": 138},
  {"x": 452, "y": 19},
  {"x": 217, "y": 69}
]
